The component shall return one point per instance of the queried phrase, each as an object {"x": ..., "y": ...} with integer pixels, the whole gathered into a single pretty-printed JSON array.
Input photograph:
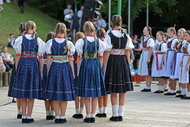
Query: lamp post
[
  {"x": 147, "y": 13},
  {"x": 119, "y": 6},
  {"x": 129, "y": 17}
]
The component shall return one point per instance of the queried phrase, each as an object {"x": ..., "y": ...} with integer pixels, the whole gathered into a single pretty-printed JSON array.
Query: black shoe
[
  {"x": 19, "y": 116},
  {"x": 24, "y": 120},
  {"x": 57, "y": 120},
  {"x": 78, "y": 116},
  {"x": 30, "y": 120},
  {"x": 159, "y": 91},
  {"x": 92, "y": 120},
  {"x": 178, "y": 91},
  {"x": 185, "y": 97},
  {"x": 62, "y": 120},
  {"x": 50, "y": 117},
  {"x": 99, "y": 115},
  {"x": 146, "y": 90},
  {"x": 115, "y": 119},
  {"x": 179, "y": 95},
  {"x": 87, "y": 120},
  {"x": 104, "y": 115},
  {"x": 168, "y": 93},
  {"x": 120, "y": 118},
  {"x": 165, "y": 90}
]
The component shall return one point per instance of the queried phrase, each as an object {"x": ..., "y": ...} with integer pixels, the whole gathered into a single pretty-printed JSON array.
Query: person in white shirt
[
  {"x": 145, "y": 62},
  {"x": 29, "y": 64}
]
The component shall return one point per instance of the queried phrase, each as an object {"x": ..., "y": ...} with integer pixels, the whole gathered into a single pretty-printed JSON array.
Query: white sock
[
  {"x": 24, "y": 117},
  {"x": 52, "y": 113},
  {"x": 62, "y": 117},
  {"x": 77, "y": 111},
  {"x": 48, "y": 113},
  {"x": 101, "y": 110},
  {"x": 29, "y": 117},
  {"x": 57, "y": 117},
  {"x": 161, "y": 88},
  {"x": 92, "y": 115},
  {"x": 188, "y": 94},
  {"x": 115, "y": 110},
  {"x": 147, "y": 87},
  {"x": 81, "y": 110},
  {"x": 121, "y": 110},
  {"x": 19, "y": 112},
  {"x": 183, "y": 91},
  {"x": 88, "y": 115},
  {"x": 104, "y": 109}
]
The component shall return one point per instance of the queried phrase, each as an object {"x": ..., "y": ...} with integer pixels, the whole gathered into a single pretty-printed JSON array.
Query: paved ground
[{"x": 142, "y": 110}]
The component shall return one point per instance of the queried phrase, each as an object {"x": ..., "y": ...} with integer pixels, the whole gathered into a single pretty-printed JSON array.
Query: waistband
[
  {"x": 118, "y": 52},
  {"x": 29, "y": 54},
  {"x": 60, "y": 59}
]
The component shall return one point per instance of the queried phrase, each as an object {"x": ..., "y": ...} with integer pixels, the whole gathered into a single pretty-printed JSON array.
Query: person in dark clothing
[
  {"x": 21, "y": 5},
  {"x": 136, "y": 51}
]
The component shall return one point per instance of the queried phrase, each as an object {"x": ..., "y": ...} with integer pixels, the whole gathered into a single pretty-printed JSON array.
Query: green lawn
[{"x": 10, "y": 18}]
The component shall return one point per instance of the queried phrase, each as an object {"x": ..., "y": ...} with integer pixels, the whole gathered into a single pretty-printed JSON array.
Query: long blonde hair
[
  {"x": 61, "y": 28},
  {"x": 89, "y": 28},
  {"x": 31, "y": 25}
]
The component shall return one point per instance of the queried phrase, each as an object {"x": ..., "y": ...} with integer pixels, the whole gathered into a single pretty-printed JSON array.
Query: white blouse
[
  {"x": 80, "y": 43},
  {"x": 18, "y": 44},
  {"x": 118, "y": 34},
  {"x": 70, "y": 45},
  {"x": 173, "y": 42}
]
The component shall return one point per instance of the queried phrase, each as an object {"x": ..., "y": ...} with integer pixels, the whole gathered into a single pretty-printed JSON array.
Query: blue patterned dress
[
  {"x": 27, "y": 80},
  {"x": 60, "y": 85},
  {"x": 91, "y": 80}
]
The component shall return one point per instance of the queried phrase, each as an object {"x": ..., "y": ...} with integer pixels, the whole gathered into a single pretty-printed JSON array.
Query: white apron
[
  {"x": 169, "y": 59},
  {"x": 184, "y": 75},
  {"x": 178, "y": 65},
  {"x": 143, "y": 66}
]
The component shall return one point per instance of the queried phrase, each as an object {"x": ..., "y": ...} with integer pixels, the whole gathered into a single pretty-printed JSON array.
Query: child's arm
[
  {"x": 70, "y": 58},
  {"x": 188, "y": 63},
  {"x": 149, "y": 54},
  {"x": 128, "y": 53}
]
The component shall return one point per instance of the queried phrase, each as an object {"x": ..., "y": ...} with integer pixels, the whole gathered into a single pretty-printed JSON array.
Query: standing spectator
[
  {"x": 1, "y": 5},
  {"x": 75, "y": 24},
  {"x": 79, "y": 14},
  {"x": 10, "y": 39},
  {"x": 21, "y": 5},
  {"x": 7, "y": 59},
  {"x": 68, "y": 15},
  {"x": 136, "y": 51},
  {"x": 101, "y": 23}
]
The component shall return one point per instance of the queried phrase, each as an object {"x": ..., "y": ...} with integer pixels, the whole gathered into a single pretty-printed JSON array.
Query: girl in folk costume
[
  {"x": 170, "y": 58},
  {"x": 158, "y": 68},
  {"x": 27, "y": 82},
  {"x": 79, "y": 102},
  {"x": 60, "y": 86},
  {"x": 184, "y": 75},
  {"x": 90, "y": 80},
  {"x": 103, "y": 100},
  {"x": 18, "y": 101},
  {"x": 178, "y": 57},
  {"x": 118, "y": 76},
  {"x": 145, "y": 62},
  {"x": 48, "y": 104}
]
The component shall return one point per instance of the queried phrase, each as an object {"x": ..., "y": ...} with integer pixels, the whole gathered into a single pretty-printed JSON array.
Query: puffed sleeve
[
  {"x": 108, "y": 42},
  {"x": 150, "y": 43},
  {"x": 41, "y": 47},
  {"x": 79, "y": 46},
  {"x": 164, "y": 47},
  {"x": 188, "y": 48},
  {"x": 71, "y": 48},
  {"x": 102, "y": 48},
  {"x": 18, "y": 45},
  {"x": 173, "y": 44},
  {"x": 129, "y": 44},
  {"x": 48, "y": 47}
]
